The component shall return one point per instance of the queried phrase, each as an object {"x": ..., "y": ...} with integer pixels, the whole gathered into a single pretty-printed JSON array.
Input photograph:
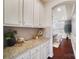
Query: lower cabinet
[
  {"x": 44, "y": 51},
  {"x": 39, "y": 52},
  {"x": 36, "y": 56},
  {"x": 25, "y": 55},
  {"x": 35, "y": 53}
]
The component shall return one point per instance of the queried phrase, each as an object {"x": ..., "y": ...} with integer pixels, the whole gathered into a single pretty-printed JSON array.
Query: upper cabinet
[
  {"x": 36, "y": 13},
  {"x": 39, "y": 14},
  {"x": 42, "y": 15},
  {"x": 28, "y": 13},
  {"x": 11, "y": 12}
]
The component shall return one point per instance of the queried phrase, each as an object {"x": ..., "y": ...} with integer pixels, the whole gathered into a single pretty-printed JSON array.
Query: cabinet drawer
[{"x": 35, "y": 50}]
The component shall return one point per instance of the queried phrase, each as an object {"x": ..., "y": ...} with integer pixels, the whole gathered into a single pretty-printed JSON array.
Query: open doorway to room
[{"x": 62, "y": 15}]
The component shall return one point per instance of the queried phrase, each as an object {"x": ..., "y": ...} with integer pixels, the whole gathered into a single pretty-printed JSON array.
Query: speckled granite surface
[{"x": 13, "y": 51}]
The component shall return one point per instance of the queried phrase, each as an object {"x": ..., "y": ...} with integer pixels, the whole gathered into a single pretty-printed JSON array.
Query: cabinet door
[
  {"x": 25, "y": 55},
  {"x": 11, "y": 12},
  {"x": 36, "y": 13},
  {"x": 19, "y": 57},
  {"x": 35, "y": 53},
  {"x": 35, "y": 56},
  {"x": 43, "y": 53},
  {"x": 28, "y": 12},
  {"x": 44, "y": 50},
  {"x": 42, "y": 15}
]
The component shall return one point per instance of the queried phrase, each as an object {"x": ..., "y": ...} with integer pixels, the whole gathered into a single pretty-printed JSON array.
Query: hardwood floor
[{"x": 64, "y": 51}]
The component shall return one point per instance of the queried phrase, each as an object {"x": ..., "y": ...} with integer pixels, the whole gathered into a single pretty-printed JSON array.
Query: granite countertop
[{"x": 10, "y": 52}]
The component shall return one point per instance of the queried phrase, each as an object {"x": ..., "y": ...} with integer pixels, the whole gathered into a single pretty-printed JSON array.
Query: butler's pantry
[{"x": 35, "y": 29}]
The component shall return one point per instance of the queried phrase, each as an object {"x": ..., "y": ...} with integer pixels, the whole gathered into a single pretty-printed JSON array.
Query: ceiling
[{"x": 70, "y": 7}]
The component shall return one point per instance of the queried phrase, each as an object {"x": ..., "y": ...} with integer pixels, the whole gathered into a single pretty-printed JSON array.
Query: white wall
[
  {"x": 74, "y": 25},
  {"x": 73, "y": 36}
]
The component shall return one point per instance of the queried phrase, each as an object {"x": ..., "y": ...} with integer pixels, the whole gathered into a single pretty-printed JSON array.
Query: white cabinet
[
  {"x": 44, "y": 50},
  {"x": 43, "y": 53},
  {"x": 28, "y": 13},
  {"x": 36, "y": 56},
  {"x": 42, "y": 15},
  {"x": 35, "y": 53},
  {"x": 36, "y": 13},
  {"x": 11, "y": 12},
  {"x": 39, "y": 14},
  {"x": 39, "y": 52},
  {"x": 33, "y": 15},
  {"x": 25, "y": 55}
]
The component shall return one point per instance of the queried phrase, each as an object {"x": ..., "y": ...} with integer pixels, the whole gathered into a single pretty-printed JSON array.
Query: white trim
[{"x": 73, "y": 41}]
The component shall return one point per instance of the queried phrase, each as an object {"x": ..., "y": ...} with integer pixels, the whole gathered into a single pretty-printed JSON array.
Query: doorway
[{"x": 61, "y": 14}]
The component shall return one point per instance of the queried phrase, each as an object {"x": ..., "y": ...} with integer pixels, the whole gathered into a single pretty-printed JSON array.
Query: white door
[
  {"x": 36, "y": 13},
  {"x": 28, "y": 12},
  {"x": 11, "y": 12}
]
